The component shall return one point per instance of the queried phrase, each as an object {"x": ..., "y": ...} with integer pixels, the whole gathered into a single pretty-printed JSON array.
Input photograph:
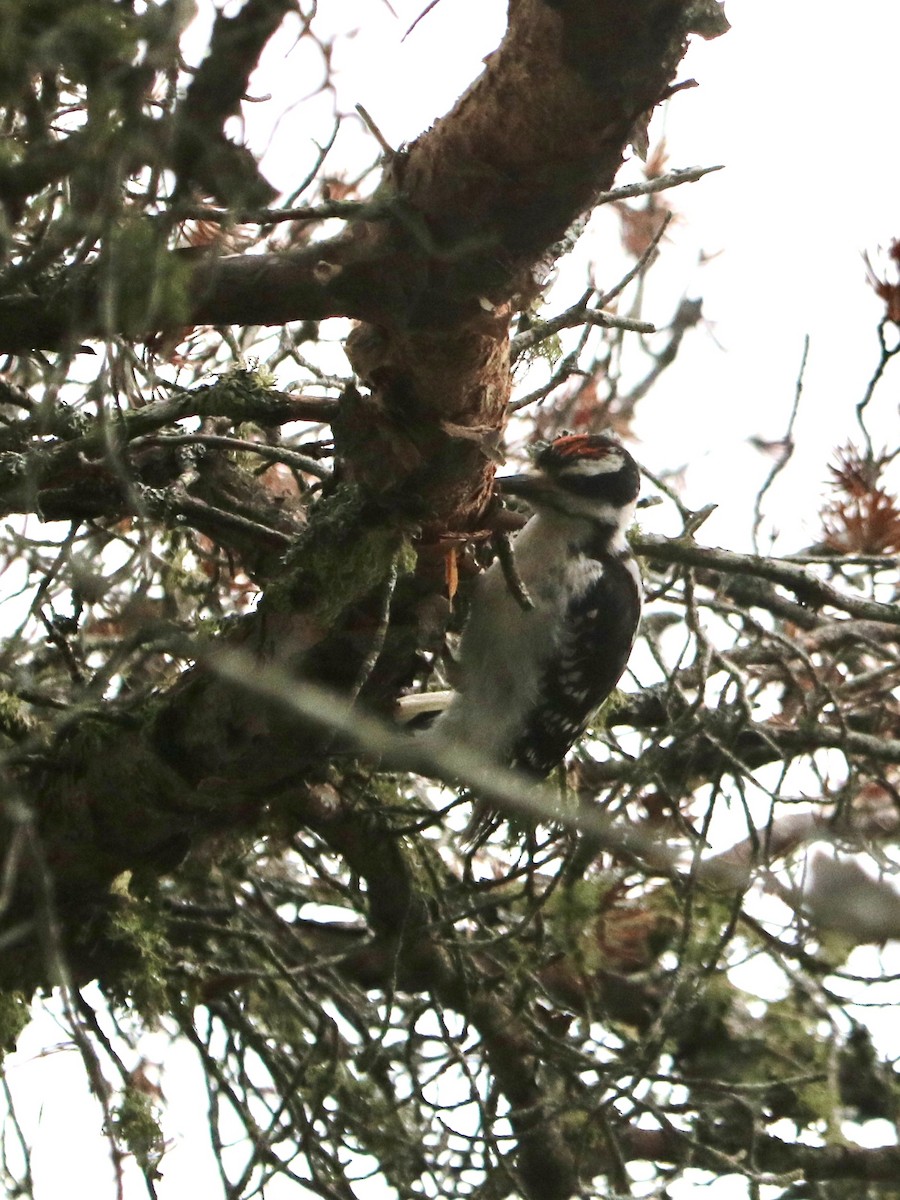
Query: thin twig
[
  {"x": 579, "y": 313},
  {"x": 648, "y": 186},
  {"x": 194, "y": 510},
  {"x": 567, "y": 367},
  {"x": 279, "y": 454},
  {"x": 348, "y": 210},
  {"x": 887, "y": 353},
  {"x": 688, "y": 315},
  {"x": 639, "y": 267},
  {"x": 379, "y": 137},
  {"x": 844, "y": 560},
  {"x": 787, "y": 448}
]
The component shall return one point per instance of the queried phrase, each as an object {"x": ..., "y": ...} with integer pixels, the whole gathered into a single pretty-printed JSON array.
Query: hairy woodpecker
[{"x": 531, "y": 678}]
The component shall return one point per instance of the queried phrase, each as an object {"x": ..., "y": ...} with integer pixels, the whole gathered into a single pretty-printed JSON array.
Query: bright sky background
[{"x": 799, "y": 102}]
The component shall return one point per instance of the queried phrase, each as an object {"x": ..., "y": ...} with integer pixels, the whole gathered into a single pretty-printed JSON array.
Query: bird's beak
[{"x": 526, "y": 487}]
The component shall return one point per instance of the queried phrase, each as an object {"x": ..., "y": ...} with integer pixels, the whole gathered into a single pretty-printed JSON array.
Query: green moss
[
  {"x": 549, "y": 348},
  {"x": 572, "y": 914},
  {"x": 13, "y": 469},
  {"x": 244, "y": 394},
  {"x": 132, "y": 793},
  {"x": 615, "y": 700},
  {"x": 145, "y": 285},
  {"x": 141, "y": 950},
  {"x": 89, "y": 42},
  {"x": 86, "y": 739},
  {"x": 346, "y": 553},
  {"x": 135, "y": 1122},
  {"x": 14, "y": 1016},
  {"x": 793, "y": 1046},
  {"x": 91, "y": 39},
  {"x": 835, "y": 947},
  {"x": 15, "y": 723},
  {"x": 10, "y": 153}
]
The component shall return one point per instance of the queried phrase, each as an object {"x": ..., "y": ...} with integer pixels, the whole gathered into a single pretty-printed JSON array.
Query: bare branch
[
  {"x": 648, "y": 187},
  {"x": 807, "y": 588}
]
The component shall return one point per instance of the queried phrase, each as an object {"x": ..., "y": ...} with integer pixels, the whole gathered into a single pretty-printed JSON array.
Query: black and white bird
[{"x": 531, "y": 678}]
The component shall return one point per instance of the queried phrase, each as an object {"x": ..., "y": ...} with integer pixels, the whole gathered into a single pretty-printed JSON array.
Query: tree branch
[{"x": 807, "y": 588}]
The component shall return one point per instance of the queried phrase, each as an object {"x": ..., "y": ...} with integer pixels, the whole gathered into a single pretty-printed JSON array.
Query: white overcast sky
[{"x": 799, "y": 102}]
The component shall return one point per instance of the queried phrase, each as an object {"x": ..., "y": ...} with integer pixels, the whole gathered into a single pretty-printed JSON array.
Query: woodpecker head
[{"x": 581, "y": 475}]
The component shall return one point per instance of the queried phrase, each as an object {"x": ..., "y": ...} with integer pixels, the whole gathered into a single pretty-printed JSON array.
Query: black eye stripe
[{"x": 616, "y": 487}]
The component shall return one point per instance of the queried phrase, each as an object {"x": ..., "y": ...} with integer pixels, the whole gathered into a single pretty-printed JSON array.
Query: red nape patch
[{"x": 581, "y": 445}]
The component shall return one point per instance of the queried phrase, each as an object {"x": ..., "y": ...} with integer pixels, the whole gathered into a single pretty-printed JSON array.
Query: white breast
[{"x": 505, "y": 647}]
